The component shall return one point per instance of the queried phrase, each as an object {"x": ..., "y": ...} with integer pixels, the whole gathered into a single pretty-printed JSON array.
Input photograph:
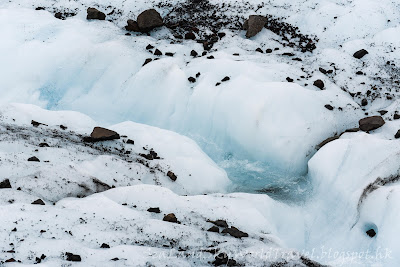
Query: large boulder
[
  {"x": 101, "y": 134},
  {"x": 93, "y": 13},
  {"x": 254, "y": 25},
  {"x": 149, "y": 19},
  {"x": 371, "y": 123}
]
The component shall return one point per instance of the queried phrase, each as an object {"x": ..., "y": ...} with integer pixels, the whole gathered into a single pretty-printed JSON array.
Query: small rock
[
  {"x": 154, "y": 210},
  {"x": 172, "y": 176},
  {"x": 397, "y": 135},
  {"x": 157, "y": 53},
  {"x": 213, "y": 229},
  {"x": 149, "y": 19},
  {"x": 104, "y": 245},
  {"x": 233, "y": 231},
  {"x": 194, "y": 53},
  {"x": 130, "y": 142},
  {"x": 198, "y": 75},
  {"x": 11, "y": 260},
  {"x": 319, "y": 83},
  {"x": 169, "y": 54},
  {"x": 190, "y": 36},
  {"x": 101, "y": 134},
  {"x": 93, "y": 13},
  {"x": 5, "y": 184},
  {"x": 170, "y": 218},
  {"x": 63, "y": 127},
  {"x": 359, "y": 73},
  {"x": 268, "y": 51},
  {"x": 360, "y": 53},
  {"x": 220, "y": 223},
  {"x": 72, "y": 257},
  {"x": 225, "y": 79},
  {"x": 132, "y": 26},
  {"x": 289, "y": 79},
  {"x": 149, "y": 46},
  {"x": 382, "y": 112},
  {"x": 364, "y": 102},
  {"x": 371, "y": 123},
  {"x": 223, "y": 259},
  {"x": 36, "y": 124},
  {"x": 44, "y": 145},
  {"x": 328, "y": 107},
  {"x": 254, "y": 25},
  {"x": 148, "y": 60},
  {"x": 371, "y": 233},
  {"x": 221, "y": 35},
  {"x": 322, "y": 70},
  {"x": 396, "y": 116},
  {"x": 259, "y": 50},
  {"x": 38, "y": 202},
  {"x": 35, "y": 159}
]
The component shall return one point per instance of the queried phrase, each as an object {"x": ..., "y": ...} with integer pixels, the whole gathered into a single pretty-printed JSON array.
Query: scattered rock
[
  {"x": 289, "y": 79},
  {"x": 328, "y": 107},
  {"x": 194, "y": 53},
  {"x": 364, "y": 102},
  {"x": 371, "y": 123},
  {"x": 322, "y": 70},
  {"x": 35, "y": 159},
  {"x": 382, "y": 112},
  {"x": 259, "y": 50},
  {"x": 72, "y": 257},
  {"x": 396, "y": 116},
  {"x": 268, "y": 51},
  {"x": 11, "y": 260},
  {"x": 157, "y": 53},
  {"x": 172, "y": 176},
  {"x": 360, "y": 53},
  {"x": 5, "y": 184},
  {"x": 63, "y": 127},
  {"x": 130, "y": 142},
  {"x": 38, "y": 202},
  {"x": 190, "y": 36},
  {"x": 104, "y": 245},
  {"x": 233, "y": 231},
  {"x": 44, "y": 145},
  {"x": 397, "y": 136},
  {"x": 192, "y": 79},
  {"x": 149, "y": 19},
  {"x": 371, "y": 233},
  {"x": 223, "y": 259},
  {"x": 132, "y": 26},
  {"x": 169, "y": 54},
  {"x": 220, "y": 223},
  {"x": 154, "y": 210},
  {"x": 148, "y": 60},
  {"x": 37, "y": 124},
  {"x": 214, "y": 229},
  {"x": 319, "y": 83},
  {"x": 170, "y": 218},
  {"x": 226, "y": 78},
  {"x": 93, "y": 13},
  {"x": 254, "y": 25},
  {"x": 149, "y": 46},
  {"x": 101, "y": 134}
]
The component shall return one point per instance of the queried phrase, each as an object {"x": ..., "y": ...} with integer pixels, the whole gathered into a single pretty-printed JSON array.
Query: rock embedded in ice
[
  {"x": 360, "y": 53},
  {"x": 397, "y": 135},
  {"x": 170, "y": 218},
  {"x": 319, "y": 83},
  {"x": 371, "y": 123},
  {"x": 157, "y": 53},
  {"x": 149, "y": 19},
  {"x": 5, "y": 184},
  {"x": 329, "y": 107},
  {"x": 38, "y": 202},
  {"x": 132, "y": 26},
  {"x": 72, "y": 257},
  {"x": 220, "y": 223},
  {"x": 104, "y": 245},
  {"x": 34, "y": 159},
  {"x": 172, "y": 176},
  {"x": 254, "y": 25},
  {"x": 93, "y": 13},
  {"x": 213, "y": 229},
  {"x": 233, "y": 231},
  {"x": 154, "y": 210},
  {"x": 190, "y": 36}
]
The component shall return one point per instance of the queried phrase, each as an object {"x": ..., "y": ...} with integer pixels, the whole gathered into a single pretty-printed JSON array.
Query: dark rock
[
  {"x": 115, "y": 259},
  {"x": 382, "y": 112},
  {"x": 38, "y": 202},
  {"x": 130, "y": 142},
  {"x": 198, "y": 75},
  {"x": 36, "y": 124},
  {"x": 371, "y": 233},
  {"x": 268, "y": 51},
  {"x": 192, "y": 79},
  {"x": 226, "y": 78},
  {"x": 44, "y": 145},
  {"x": 210, "y": 57},
  {"x": 259, "y": 50},
  {"x": 329, "y": 107},
  {"x": 190, "y": 36},
  {"x": 172, "y": 176},
  {"x": 194, "y": 53},
  {"x": 254, "y": 25},
  {"x": 328, "y": 140},
  {"x": 5, "y": 184},
  {"x": 359, "y": 73},
  {"x": 169, "y": 54},
  {"x": 157, "y": 53},
  {"x": 364, "y": 102},
  {"x": 223, "y": 259},
  {"x": 149, "y": 46},
  {"x": 72, "y": 257},
  {"x": 149, "y": 19},
  {"x": 40, "y": 8},
  {"x": 170, "y": 218},
  {"x": 397, "y": 135},
  {"x": 220, "y": 223},
  {"x": 148, "y": 60},
  {"x": 396, "y": 116},
  {"x": 58, "y": 15},
  {"x": 289, "y": 79},
  {"x": 288, "y": 54},
  {"x": 101, "y": 134},
  {"x": 360, "y": 53},
  {"x": 233, "y": 231},
  {"x": 352, "y": 130},
  {"x": 35, "y": 159},
  {"x": 154, "y": 210},
  {"x": 322, "y": 70},
  {"x": 214, "y": 229},
  {"x": 371, "y": 123},
  {"x": 11, "y": 260},
  {"x": 319, "y": 83},
  {"x": 221, "y": 35},
  {"x": 104, "y": 245},
  {"x": 63, "y": 127},
  {"x": 217, "y": 84},
  {"x": 132, "y": 26},
  {"x": 93, "y": 13}
]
